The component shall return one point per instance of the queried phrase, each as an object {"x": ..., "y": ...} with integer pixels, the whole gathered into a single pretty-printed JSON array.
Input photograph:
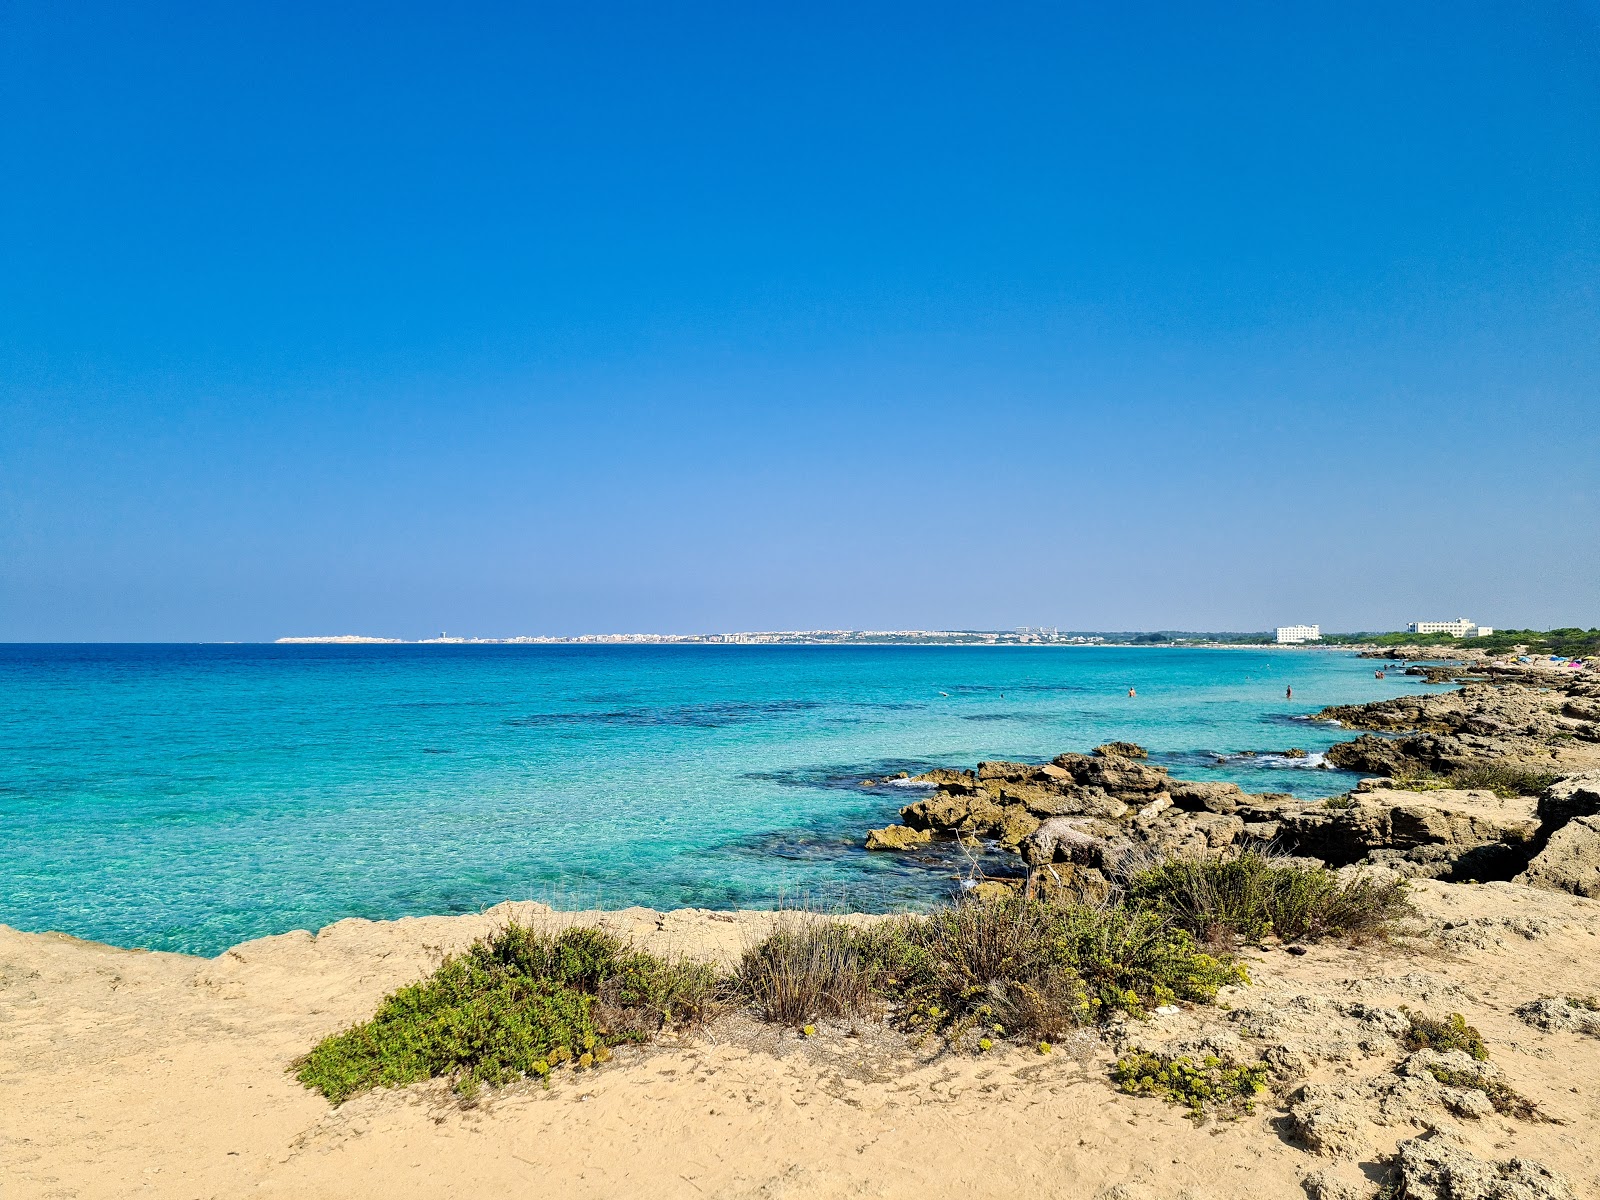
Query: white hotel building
[
  {"x": 1293, "y": 635},
  {"x": 1460, "y": 627}
]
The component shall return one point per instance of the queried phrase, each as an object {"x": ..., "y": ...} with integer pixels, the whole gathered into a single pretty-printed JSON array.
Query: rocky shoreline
[{"x": 1496, "y": 780}]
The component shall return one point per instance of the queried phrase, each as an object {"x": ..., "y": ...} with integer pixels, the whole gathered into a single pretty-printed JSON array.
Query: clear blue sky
[{"x": 583, "y": 317}]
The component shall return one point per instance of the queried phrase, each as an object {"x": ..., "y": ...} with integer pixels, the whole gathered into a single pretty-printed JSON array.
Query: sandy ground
[{"x": 128, "y": 1073}]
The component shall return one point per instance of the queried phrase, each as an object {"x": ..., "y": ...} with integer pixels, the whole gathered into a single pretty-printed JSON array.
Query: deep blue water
[{"x": 190, "y": 797}]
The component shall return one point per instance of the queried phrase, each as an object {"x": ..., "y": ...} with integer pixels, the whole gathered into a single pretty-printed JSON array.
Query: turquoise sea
[{"x": 190, "y": 797}]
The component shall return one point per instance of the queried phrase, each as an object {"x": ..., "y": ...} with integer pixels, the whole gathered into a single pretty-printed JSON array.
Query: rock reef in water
[{"x": 1081, "y": 819}]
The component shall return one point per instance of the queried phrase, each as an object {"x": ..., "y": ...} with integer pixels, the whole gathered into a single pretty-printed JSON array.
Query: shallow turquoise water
[{"x": 189, "y": 797}]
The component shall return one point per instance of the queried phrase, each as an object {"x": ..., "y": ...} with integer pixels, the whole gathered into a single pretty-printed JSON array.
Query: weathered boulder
[
  {"x": 1195, "y": 795},
  {"x": 942, "y": 811},
  {"x": 1555, "y": 1014},
  {"x": 1124, "y": 749},
  {"x": 1438, "y": 1167},
  {"x": 1582, "y": 709},
  {"x": 949, "y": 779},
  {"x": 1016, "y": 824},
  {"x": 1079, "y": 802},
  {"x": 1063, "y": 839},
  {"x": 1329, "y": 1119},
  {"x": 1014, "y": 772},
  {"x": 1454, "y": 833},
  {"x": 897, "y": 837},
  {"x": 1574, "y": 796},
  {"x": 1570, "y": 860}
]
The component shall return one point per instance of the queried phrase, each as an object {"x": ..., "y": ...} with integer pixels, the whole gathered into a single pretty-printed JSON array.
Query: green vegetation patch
[
  {"x": 1452, "y": 1033},
  {"x": 1211, "y": 1085},
  {"x": 518, "y": 1003},
  {"x": 1570, "y": 643},
  {"x": 1034, "y": 968},
  {"x": 1505, "y": 780},
  {"x": 1254, "y": 895}
]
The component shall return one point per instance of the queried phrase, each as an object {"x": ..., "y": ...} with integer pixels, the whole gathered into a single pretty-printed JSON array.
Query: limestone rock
[
  {"x": 1196, "y": 796},
  {"x": 1554, "y": 1014},
  {"x": 897, "y": 837},
  {"x": 1326, "y": 1185},
  {"x": 1123, "y": 749},
  {"x": 1329, "y": 1119},
  {"x": 949, "y": 779},
  {"x": 1436, "y": 1167},
  {"x": 1016, "y": 825},
  {"x": 1459, "y": 822},
  {"x": 1011, "y": 771},
  {"x": 941, "y": 812},
  {"x": 1570, "y": 860},
  {"x": 1062, "y": 839},
  {"x": 1574, "y": 796}
]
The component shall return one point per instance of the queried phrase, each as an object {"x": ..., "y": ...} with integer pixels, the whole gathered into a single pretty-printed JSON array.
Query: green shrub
[
  {"x": 1211, "y": 1085},
  {"x": 1453, "y": 1033},
  {"x": 1506, "y": 780},
  {"x": 1035, "y": 969},
  {"x": 515, "y": 1004},
  {"x": 1588, "y": 1003},
  {"x": 813, "y": 966},
  {"x": 1254, "y": 895}
]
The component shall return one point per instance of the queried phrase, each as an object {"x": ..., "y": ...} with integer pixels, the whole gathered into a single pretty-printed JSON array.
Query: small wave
[{"x": 1273, "y": 761}]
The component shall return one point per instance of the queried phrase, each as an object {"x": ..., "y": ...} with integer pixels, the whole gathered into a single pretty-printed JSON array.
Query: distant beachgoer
[
  {"x": 1288, "y": 693},
  {"x": 1131, "y": 692}
]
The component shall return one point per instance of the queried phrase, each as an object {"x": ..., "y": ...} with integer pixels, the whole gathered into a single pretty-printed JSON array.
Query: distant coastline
[{"x": 817, "y": 637}]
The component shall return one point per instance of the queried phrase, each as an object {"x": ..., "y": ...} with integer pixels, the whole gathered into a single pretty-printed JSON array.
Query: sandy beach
[{"x": 133, "y": 1073}]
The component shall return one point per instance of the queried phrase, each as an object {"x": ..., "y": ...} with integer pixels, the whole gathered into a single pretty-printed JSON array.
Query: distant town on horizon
[{"x": 1025, "y": 635}]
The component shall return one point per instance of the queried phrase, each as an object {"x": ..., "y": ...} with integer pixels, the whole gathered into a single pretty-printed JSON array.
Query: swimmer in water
[
  {"x": 1288, "y": 693},
  {"x": 1131, "y": 692}
]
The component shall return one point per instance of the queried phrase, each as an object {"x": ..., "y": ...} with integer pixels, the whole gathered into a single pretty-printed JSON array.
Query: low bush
[
  {"x": 816, "y": 967},
  {"x": 1253, "y": 895},
  {"x": 1506, "y": 780},
  {"x": 518, "y": 1003},
  {"x": 1211, "y": 1085},
  {"x": 1033, "y": 968},
  {"x": 1452, "y": 1033}
]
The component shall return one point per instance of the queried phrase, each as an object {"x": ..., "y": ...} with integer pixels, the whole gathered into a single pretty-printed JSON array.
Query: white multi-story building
[
  {"x": 1460, "y": 627},
  {"x": 1293, "y": 635}
]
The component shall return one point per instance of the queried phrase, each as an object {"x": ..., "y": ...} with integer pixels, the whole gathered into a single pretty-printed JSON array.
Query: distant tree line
[{"x": 1570, "y": 643}]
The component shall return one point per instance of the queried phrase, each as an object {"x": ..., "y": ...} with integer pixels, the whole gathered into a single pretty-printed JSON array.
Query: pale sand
[{"x": 136, "y": 1074}]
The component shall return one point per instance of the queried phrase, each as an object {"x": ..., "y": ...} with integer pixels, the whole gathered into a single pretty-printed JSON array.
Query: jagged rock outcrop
[
  {"x": 1494, "y": 722},
  {"x": 1090, "y": 810},
  {"x": 1570, "y": 860},
  {"x": 1438, "y": 1167},
  {"x": 897, "y": 837},
  {"x": 1440, "y": 834},
  {"x": 1574, "y": 796}
]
